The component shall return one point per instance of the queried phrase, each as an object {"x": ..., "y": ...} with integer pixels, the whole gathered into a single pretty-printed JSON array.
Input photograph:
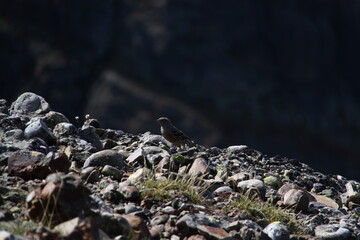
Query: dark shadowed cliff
[{"x": 279, "y": 76}]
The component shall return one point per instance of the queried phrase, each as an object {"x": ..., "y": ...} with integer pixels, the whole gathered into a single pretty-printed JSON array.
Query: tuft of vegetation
[
  {"x": 173, "y": 186},
  {"x": 257, "y": 209},
  {"x": 18, "y": 227}
]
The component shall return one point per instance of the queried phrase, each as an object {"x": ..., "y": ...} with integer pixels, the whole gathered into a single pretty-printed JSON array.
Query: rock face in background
[{"x": 280, "y": 77}]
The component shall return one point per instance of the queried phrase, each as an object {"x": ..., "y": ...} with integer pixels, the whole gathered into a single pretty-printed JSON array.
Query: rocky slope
[
  {"x": 288, "y": 70},
  {"x": 80, "y": 181}
]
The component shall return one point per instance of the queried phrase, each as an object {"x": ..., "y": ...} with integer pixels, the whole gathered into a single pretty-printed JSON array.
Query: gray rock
[
  {"x": 138, "y": 226},
  {"x": 129, "y": 191},
  {"x": 90, "y": 174},
  {"x": 154, "y": 139},
  {"x": 348, "y": 223},
  {"x": 318, "y": 187},
  {"x": 34, "y": 144},
  {"x": 297, "y": 199},
  {"x": 351, "y": 198},
  {"x": 139, "y": 175},
  {"x": 130, "y": 208},
  {"x": 105, "y": 157},
  {"x": 168, "y": 210},
  {"x": 332, "y": 231},
  {"x": 136, "y": 157},
  {"x": 236, "y": 149},
  {"x": 112, "y": 172},
  {"x": 154, "y": 154},
  {"x": 3, "y": 106},
  {"x": 67, "y": 227},
  {"x": 274, "y": 181},
  {"x": 5, "y": 235},
  {"x": 114, "y": 224},
  {"x": 29, "y": 104},
  {"x": 14, "y": 135},
  {"x": 161, "y": 219},
  {"x": 318, "y": 207},
  {"x": 88, "y": 133},
  {"x": 223, "y": 190},
  {"x": 251, "y": 230},
  {"x": 13, "y": 122},
  {"x": 111, "y": 193},
  {"x": 157, "y": 230},
  {"x": 221, "y": 173},
  {"x": 238, "y": 177},
  {"x": 64, "y": 129},
  {"x": 53, "y": 118},
  {"x": 288, "y": 186},
  {"x": 252, "y": 184},
  {"x": 277, "y": 231},
  {"x": 189, "y": 222},
  {"x": 3, "y": 115},
  {"x": 199, "y": 166},
  {"x": 39, "y": 129}
]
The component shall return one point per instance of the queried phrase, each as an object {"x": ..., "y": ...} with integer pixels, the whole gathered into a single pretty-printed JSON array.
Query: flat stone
[
  {"x": 326, "y": 200},
  {"x": 136, "y": 156}
]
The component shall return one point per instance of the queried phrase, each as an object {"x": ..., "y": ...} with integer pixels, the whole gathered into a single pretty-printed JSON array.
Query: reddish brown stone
[
  {"x": 31, "y": 164},
  {"x": 197, "y": 237},
  {"x": 213, "y": 232}
]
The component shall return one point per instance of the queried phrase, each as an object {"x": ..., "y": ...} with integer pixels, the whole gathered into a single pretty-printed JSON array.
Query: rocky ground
[{"x": 80, "y": 181}]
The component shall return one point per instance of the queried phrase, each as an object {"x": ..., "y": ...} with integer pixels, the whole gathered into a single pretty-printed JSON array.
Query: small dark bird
[{"x": 174, "y": 135}]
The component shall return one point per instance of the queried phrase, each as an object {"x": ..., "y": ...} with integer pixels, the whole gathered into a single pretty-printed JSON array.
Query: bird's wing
[{"x": 182, "y": 137}]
